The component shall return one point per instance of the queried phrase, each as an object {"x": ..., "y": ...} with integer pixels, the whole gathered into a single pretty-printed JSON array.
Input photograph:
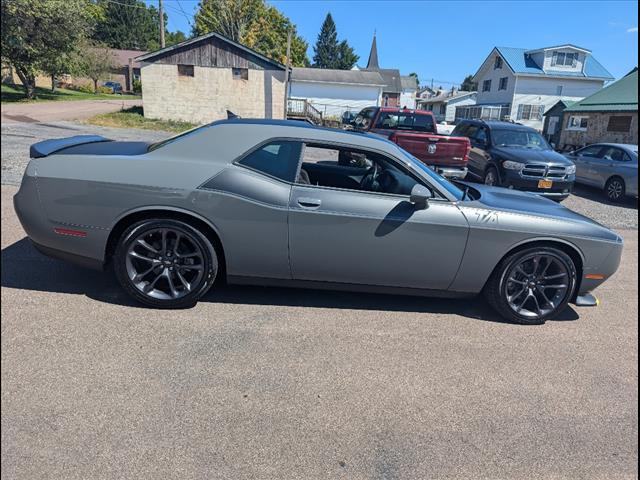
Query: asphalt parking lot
[{"x": 282, "y": 383}]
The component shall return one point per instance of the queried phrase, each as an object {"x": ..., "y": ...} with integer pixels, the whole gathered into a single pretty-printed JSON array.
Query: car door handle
[{"x": 309, "y": 202}]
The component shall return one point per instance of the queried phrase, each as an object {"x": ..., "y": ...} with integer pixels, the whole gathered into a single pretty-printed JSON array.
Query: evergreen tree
[
  {"x": 328, "y": 52},
  {"x": 468, "y": 85},
  {"x": 326, "y": 48},
  {"x": 127, "y": 24}
]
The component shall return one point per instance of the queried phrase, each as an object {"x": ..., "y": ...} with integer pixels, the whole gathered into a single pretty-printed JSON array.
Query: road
[
  {"x": 61, "y": 110},
  {"x": 280, "y": 383}
]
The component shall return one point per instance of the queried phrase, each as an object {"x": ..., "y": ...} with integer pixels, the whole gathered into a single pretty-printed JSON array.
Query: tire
[
  {"x": 491, "y": 177},
  {"x": 177, "y": 276},
  {"x": 615, "y": 189},
  {"x": 507, "y": 280}
]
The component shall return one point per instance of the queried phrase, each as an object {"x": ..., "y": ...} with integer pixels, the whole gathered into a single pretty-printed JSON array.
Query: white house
[
  {"x": 444, "y": 106},
  {"x": 409, "y": 91},
  {"x": 334, "y": 92},
  {"x": 520, "y": 84}
]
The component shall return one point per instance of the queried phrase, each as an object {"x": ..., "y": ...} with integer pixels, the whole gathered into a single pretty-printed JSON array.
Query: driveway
[
  {"x": 61, "y": 110},
  {"x": 281, "y": 383}
]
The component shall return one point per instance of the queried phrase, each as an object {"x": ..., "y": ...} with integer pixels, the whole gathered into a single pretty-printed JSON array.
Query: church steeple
[{"x": 372, "y": 64}]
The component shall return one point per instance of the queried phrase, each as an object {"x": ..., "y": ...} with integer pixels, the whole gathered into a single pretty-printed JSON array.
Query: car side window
[
  {"x": 277, "y": 159},
  {"x": 615, "y": 154},
  {"x": 592, "y": 151},
  {"x": 352, "y": 169},
  {"x": 481, "y": 135}
]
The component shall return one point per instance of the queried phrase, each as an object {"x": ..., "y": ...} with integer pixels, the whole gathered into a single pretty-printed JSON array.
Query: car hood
[
  {"x": 527, "y": 155},
  {"x": 514, "y": 201}
]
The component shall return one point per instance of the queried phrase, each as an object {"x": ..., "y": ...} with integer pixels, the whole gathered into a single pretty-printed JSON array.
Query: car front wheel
[
  {"x": 165, "y": 263},
  {"x": 491, "y": 177},
  {"x": 532, "y": 285}
]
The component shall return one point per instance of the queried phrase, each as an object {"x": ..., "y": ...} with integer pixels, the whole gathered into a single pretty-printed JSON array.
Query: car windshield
[
  {"x": 435, "y": 177},
  {"x": 519, "y": 138}
]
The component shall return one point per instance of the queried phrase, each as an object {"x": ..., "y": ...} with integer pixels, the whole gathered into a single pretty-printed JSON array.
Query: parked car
[
  {"x": 416, "y": 132},
  {"x": 115, "y": 87},
  {"x": 612, "y": 167},
  {"x": 348, "y": 117},
  {"x": 271, "y": 202},
  {"x": 517, "y": 157}
]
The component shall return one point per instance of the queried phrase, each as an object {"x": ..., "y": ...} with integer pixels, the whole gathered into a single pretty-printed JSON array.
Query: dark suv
[{"x": 514, "y": 156}]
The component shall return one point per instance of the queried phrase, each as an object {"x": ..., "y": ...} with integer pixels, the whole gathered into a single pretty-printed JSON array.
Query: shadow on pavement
[
  {"x": 597, "y": 195},
  {"x": 25, "y": 268}
]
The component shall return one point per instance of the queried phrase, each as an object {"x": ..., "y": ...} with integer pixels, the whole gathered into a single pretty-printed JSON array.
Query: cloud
[{"x": 632, "y": 30}]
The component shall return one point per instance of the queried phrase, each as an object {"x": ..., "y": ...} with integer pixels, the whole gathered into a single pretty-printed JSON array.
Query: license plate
[{"x": 545, "y": 184}]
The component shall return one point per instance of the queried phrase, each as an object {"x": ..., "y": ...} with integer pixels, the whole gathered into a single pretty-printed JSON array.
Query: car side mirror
[{"x": 420, "y": 196}]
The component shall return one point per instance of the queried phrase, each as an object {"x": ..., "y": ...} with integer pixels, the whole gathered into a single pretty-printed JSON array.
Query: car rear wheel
[
  {"x": 165, "y": 263},
  {"x": 532, "y": 285},
  {"x": 615, "y": 189},
  {"x": 491, "y": 177}
]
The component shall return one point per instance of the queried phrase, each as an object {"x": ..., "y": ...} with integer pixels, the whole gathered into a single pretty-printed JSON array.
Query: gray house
[{"x": 521, "y": 84}]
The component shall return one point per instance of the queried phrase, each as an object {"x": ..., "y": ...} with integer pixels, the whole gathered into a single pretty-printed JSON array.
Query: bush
[
  {"x": 84, "y": 88},
  {"x": 137, "y": 86},
  {"x": 104, "y": 90}
]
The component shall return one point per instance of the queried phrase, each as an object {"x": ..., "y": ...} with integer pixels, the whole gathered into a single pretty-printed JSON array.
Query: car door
[
  {"x": 477, "y": 154},
  {"x": 584, "y": 160},
  {"x": 367, "y": 238},
  {"x": 250, "y": 202},
  {"x": 610, "y": 162}
]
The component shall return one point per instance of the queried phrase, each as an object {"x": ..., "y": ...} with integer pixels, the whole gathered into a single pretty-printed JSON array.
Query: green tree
[
  {"x": 414, "y": 74},
  {"x": 172, "y": 38},
  {"x": 230, "y": 18},
  {"x": 268, "y": 35},
  {"x": 468, "y": 85},
  {"x": 328, "y": 52},
  {"x": 254, "y": 24},
  {"x": 127, "y": 24},
  {"x": 96, "y": 61},
  {"x": 38, "y": 33}
]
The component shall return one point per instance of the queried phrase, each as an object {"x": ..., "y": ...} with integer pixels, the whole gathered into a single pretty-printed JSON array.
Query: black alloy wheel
[{"x": 165, "y": 263}]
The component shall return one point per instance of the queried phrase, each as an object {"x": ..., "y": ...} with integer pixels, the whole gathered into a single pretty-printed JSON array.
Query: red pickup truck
[{"x": 415, "y": 131}]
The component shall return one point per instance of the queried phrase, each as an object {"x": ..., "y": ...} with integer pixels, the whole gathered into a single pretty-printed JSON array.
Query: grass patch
[
  {"x": 134, "y": 118},
  {"x": 15, "y": 93}
]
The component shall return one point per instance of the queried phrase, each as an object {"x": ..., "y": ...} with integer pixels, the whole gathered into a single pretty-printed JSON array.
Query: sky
[{"x": 445, "y": 41}]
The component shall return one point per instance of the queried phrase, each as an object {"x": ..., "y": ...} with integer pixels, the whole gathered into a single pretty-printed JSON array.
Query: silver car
[
  {"x": 283, "y": 203},
  {"x": 612, "y": 167}
]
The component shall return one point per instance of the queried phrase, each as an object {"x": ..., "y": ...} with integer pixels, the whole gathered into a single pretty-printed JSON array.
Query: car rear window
[{"x": 406, "y": 121}]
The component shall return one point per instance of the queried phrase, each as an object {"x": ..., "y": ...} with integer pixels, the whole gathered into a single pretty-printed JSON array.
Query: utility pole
[
  {"x": 161, "y": 12},
  {"x": 286, "y": 74}
]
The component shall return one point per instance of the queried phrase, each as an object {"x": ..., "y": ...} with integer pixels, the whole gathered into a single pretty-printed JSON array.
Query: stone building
[
  {"x": 609, "y": 115},
  {"x": 200, "y": 79}
]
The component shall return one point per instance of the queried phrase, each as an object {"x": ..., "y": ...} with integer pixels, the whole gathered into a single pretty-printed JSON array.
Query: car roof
[
  {"x": 497, "y": 124},
  {"x": 628, "y": 146}
]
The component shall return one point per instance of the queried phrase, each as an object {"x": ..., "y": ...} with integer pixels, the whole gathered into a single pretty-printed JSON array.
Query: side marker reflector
[
  {"x": 70, "y": 232},
  {"x": 594, "y": 276}
]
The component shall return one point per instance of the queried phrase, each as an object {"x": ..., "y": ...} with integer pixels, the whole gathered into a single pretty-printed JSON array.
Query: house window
[
  {"x": 240, "y": 73},
  {"x": 503, "y": 83},
  {"x": 498, "y": 63},
  {"x": 443, "y": 109},
  {"x": 185, "y": 70},
  {"x": 559, "y": 90},
  {"x": 578, "y": 123},
  {"x": 564, "y": 59},
  {"x": 619, "y": 124},
  {"x": 486, "y": 86},
  {"x": 530, "y": 112}
]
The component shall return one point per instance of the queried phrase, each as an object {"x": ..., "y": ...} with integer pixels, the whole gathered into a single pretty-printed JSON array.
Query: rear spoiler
[{"x": 47, "y": 147}]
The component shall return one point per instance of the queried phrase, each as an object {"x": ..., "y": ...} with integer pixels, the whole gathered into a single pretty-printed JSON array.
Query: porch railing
[{"x": 301, "y": 109}]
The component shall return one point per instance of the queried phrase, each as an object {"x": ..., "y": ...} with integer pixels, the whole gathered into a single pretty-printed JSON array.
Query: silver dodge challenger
[{"x": 273, "y": 202}]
